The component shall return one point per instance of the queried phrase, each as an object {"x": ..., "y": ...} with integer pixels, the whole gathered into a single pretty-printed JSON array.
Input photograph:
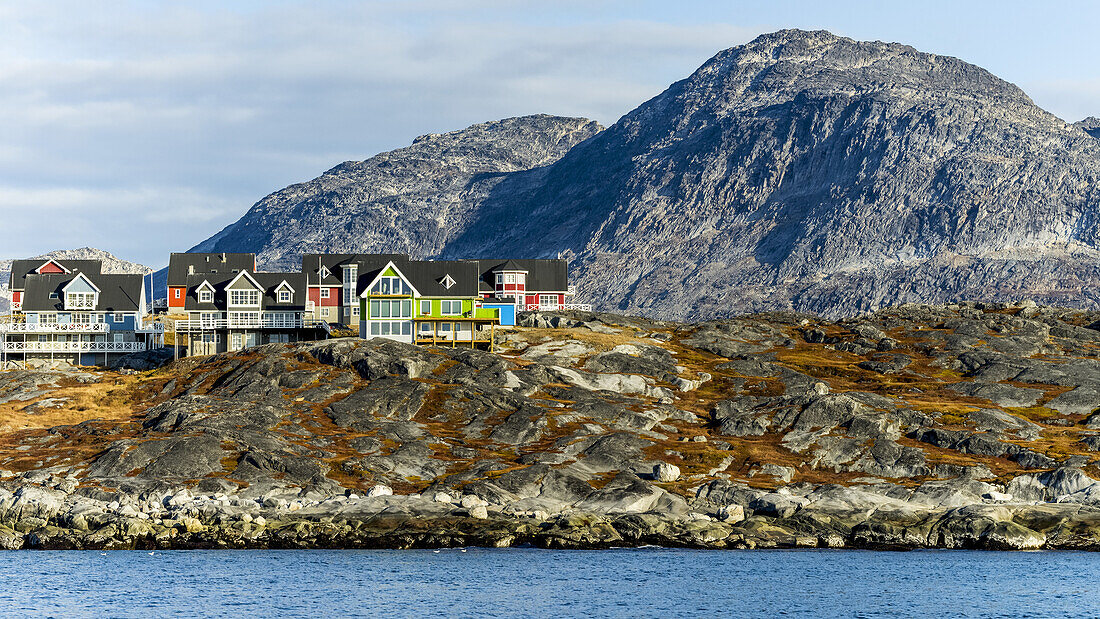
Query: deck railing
[
  {"x": 554, "y": 307},
  {"x": 56, "y": 327},
  {"x": 265, "y": 322},
  {"x": 81, "y": 347}
]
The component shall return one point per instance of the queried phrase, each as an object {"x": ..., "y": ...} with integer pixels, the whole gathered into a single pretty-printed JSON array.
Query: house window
[
  {"x": 351, "y": 276},
  {"x": 324, "y": 272},
  {"x": 205, "y": 296},
  {"x": 209, "y": 320},
  {"x": 324, "y": 293},
  {"x": 391, "y": 285},
  {"x": 448, "y": 281},
  {"x": 118, "y": 317},
  {"x": 80, "y": 300},
  {"x": 284, "y": 296},
  {"x": 385, "y": 328},
  {"x": 324, "y": 312},
  {"x": 177, "y": 291},
  {"x": 347, "y": 312},
  {"x": 355, "y": 311},
  {"x": 450, "y": 308},
  {"x": 425, "y": 307},
  {"x": 244, "y": 297},
  {"x": 244, "y": 319},
  {"x": 236, "y": 341},
  {"x": 509, "y": 278},
  {"x": 500, "y": 279},
  {"x": 82, "y": 318},
  {"x": 548, "y": 299},
  {"x": 390, "y": 309}
]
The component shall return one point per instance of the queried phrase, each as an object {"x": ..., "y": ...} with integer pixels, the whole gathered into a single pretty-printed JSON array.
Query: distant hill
[
  {"x": 802, "y": 170},
  {"x": 111, "y": 264}
]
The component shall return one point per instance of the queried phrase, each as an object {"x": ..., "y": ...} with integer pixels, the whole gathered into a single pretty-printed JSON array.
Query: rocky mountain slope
[
  {"x": 802, "y": 170},
  {"x": 111, "y": 264},
  {"x": 413, "y": 199},
  {"x": 958, "y": 426}
]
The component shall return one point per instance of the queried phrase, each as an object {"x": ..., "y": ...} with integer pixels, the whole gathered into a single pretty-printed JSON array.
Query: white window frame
[
  {"x": 324, "y": 312},
  {"x": 446, "y": 307},
  {"x": 177, "y": 291},
  {"x": 425, "y": 307},
  {"x": 205, "y": 296},
  {"x": 509, "y": 278},
  {"x": 252, "y": 298},
  {"x": 284, "y": 296},
  {"x": 324, "y": 293},
  {"x": 80, "y": 300}
]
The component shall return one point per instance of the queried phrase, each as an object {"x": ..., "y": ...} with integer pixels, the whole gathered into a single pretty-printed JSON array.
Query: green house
[{"x": 434, "y": 302}]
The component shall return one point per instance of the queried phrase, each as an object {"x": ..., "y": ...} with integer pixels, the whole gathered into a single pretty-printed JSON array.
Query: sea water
[{"x": 647, "y": 582}]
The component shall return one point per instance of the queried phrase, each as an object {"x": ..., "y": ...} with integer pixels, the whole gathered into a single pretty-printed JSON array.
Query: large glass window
[
  {"x": 244, "y": 319},
  {"x": 351, "y": 276},
  {"x": 450, "y": 308},
  {"x": 244, "y": 297},
  {"x": 390, "y": 285},
  {"x": 398, "y": 308}
]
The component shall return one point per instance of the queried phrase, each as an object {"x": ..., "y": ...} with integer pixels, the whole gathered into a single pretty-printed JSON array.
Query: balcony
[
  {"x": 78, "y": 347},
  {"x": 57, "y": 327},
  {"x": 266, "y": 322},
  {"x": 555, "y": 307}
]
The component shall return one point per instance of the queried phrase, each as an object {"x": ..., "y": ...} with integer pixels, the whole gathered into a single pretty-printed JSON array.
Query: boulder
[{"x": 665, "y": 472}]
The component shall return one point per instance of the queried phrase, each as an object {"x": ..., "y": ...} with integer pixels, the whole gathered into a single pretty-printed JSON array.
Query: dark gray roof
[
  {"x": 219, "y": 263},
  {"x": 471, "y": 276},
  {"x": 20, "y": 269},
  {"x": 427, "y": 277},
  {"x": 270, "y": 282},
  {"x": 335, "y": 263},
  {"x": 117, "y": 293},
  {"x": 543, "y": 274}
]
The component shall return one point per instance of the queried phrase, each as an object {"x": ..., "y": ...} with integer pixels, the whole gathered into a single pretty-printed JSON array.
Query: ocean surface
[{"x": 648, "y": 582}]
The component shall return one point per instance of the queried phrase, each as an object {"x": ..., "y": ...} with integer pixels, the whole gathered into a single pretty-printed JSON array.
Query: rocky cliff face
[
  {"x": 802, "y": 170},
  {"x": 111, "y": 264},
  {"x": 412, "y": 200}
]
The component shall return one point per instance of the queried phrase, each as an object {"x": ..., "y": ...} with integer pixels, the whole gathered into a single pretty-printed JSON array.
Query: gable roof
[
  {"x": 543, "y": 274},
  {"x": 269, "y": 283},
  {"x": 427, "y": 277},
  {"x": 336, "y": 262},
  {"x": 80, "y": 276},
  {"x": 117, "y": 293},
  {"x": 179, "y": 271},
  {"x": 20, "y": 269}
]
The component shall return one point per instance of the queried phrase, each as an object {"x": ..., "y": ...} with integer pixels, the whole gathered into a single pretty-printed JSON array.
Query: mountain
[
  {"x": 111, "y": 264},
  {"x": 411, "y": 200},
  {"x": 799, "y": 171}
]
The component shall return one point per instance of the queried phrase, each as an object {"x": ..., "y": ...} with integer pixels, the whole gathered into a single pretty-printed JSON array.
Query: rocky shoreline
[
  {"x": 966, "y": 426},
  {"x": 633, "y": 513}
]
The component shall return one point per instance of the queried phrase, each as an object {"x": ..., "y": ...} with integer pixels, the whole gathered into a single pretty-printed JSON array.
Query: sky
[{"x": 143, "y": 128}]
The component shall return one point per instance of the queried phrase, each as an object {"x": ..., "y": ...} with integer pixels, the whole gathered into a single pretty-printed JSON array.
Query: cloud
[{"x": 164, "y": 122}]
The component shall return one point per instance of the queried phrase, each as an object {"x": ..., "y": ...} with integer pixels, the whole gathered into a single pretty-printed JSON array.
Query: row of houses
[
  {"x": 230, "y": 305},
  {"x": 70, "y": 310}
]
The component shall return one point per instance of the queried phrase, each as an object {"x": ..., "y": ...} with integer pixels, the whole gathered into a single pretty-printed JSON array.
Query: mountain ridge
[{"x": 799, "y": 171}]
